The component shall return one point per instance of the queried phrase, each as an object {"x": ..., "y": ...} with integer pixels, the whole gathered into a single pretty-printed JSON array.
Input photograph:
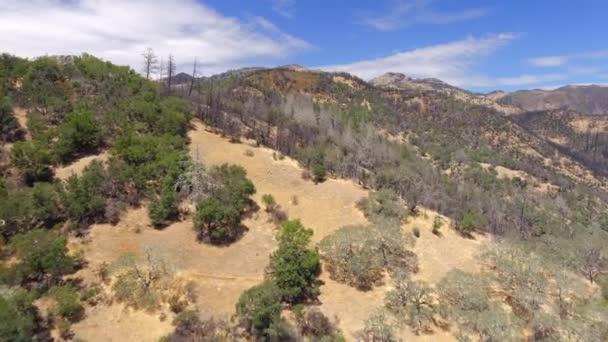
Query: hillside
[
  {"x": 295, "y": 205},
  {"x": 591, "y": 100}
]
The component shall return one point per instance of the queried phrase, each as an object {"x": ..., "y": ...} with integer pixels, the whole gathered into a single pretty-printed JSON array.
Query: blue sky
[{"x": 478, "y": 45}]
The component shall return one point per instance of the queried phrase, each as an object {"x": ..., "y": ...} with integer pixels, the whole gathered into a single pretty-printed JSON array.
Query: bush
[
  {"x": 602, "y": 281},
  {"x": 437, "y": 224},
  {"x": 189, "y": 327},
  {"x": 413, "y": 302},
  {"x": 78, "y": 134},
  {"x": 259, "y": 307},
  {"x": 315, "y": 325},
  {"x": 471, "y": 222},
  {"x": 293, "y": 266},
  {"x": 218, "y": 217},
  {"x": 33, "y": 159},
  {"x": 416, "y": 232},
  {"x": 269, "y": 202},
  {"x": 83, "y": 196},
  {"x": 18, "y": 317},
  {"x": 9, "y": 127},
  {"x": 29, "y": 208},
  {"x": 215, "y": 222},
  {"x": 382, "y": 204},
  {"x": 359, "y": 255},
  {"x": 378, "y": 329},
  {"x": 318, "y": 171},
  {"x": 68, "y": 302},
  {"x": 164, "y": 210},
  {"x": 42, "y": 256}
]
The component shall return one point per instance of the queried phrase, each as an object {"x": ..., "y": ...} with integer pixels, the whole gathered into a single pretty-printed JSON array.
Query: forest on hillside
[{"x": 413, "y": 150}]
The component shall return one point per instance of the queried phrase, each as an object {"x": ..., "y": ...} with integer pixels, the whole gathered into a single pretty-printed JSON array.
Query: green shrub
[
  {"x": 18, "y": 317},
  {"x": 382, "y": 204},
  {"x": 218, "y": 217},
  {"x": 269, "y": 202},
  {"x": 318, "y": 171},
  {"x": 294, "y": 267},
  {"x": 259, "y": 307},
  {"x": 9, "y": 127},
  {"x": 602, "y": 281},
  {"x": 43, "y": 256},
  {"x": 216, "y": 222},
  {"x": 78, "y": 134},
  {"x": 33, "y": 159},
  {"x": 470, "y": 222},
  {"x": 437, "y": 224},
  {"x": 83, "y": 196},
  {"x": 67, "y": 301},
  {"x": 164, "y": 210},
  {"x": 29, "y": 208}
]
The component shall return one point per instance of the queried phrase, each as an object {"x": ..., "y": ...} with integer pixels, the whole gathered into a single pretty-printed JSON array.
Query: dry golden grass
[
  {"x": 221, "y": 274},
  {"x": 75, "y": 168}
]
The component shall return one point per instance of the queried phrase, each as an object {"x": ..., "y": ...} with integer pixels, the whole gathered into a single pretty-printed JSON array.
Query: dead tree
[
  {"x": 193, "y": 80},
  {"x": 150, "y": 65},
  {"x": 170, "y": 71}
]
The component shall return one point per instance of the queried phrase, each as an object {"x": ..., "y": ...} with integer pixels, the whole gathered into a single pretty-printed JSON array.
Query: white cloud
[
  {"x": 451, "y": 62},
  {"x": 561, "y": 60},
  {"x": 407, "y": 12},
  {"x": 529, "y": 79},
  {"x": 285, "y": 8},
  {"x": 549, "y": 61},
  {"x": 119, "y": 30}
]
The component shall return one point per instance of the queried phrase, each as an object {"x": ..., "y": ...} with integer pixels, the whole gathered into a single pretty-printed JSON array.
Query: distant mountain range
[{"x": 591, "y": 100}]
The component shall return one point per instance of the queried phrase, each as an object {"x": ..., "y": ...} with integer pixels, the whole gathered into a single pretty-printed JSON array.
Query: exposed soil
[{"x": 76, "y": 167}]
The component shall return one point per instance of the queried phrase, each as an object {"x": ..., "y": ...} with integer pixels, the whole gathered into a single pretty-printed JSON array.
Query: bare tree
[
  {"x": 170, "y": 71},
  {"x": 194, "y": 73},
  {"x": 592, "y": 262},
  {"x": 150, "y": 65}
]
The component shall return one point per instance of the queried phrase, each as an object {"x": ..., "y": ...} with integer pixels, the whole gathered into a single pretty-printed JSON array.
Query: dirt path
[
  {"x": 76, "y": 167},
  {"x": 21, "y": 116}
]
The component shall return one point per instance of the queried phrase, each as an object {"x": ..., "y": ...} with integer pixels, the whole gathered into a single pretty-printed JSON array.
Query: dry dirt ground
[
  {"x": 221, "y": 274},
  {"x": 64, "y": 172}
]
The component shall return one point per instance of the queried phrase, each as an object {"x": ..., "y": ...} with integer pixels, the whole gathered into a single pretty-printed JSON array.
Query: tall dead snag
[
  {"x": 193, "y": 80},
  {"x": 150, "y": 65},
  {"x": 170, "y": 71}
]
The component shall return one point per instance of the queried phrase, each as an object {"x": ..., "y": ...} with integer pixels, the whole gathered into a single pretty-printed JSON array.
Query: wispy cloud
[
  {"x": 561, "y": 60},
  {"x": 285, "y": 8},
  {"x": 119, "y": 30},
  {"x": 452, "y": 62},
  {"x": 407, "y": 12}
]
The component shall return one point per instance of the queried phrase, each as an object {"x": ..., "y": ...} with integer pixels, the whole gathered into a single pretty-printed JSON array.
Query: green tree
[
  {"x": 259, "y": 307},
  {"x": 294, "y": 267},
  {"x": 83, "y": 196},
  {"x": 43, "y": 256},
  {"x": 78, "y": 134},
  {"x": 33, "y": 159},
  {"x": 46, "y": 86},
  {"x": 18, "y": 317},
  {"x": 9, "y": 127},
  {"x": 164, "y": 209},
  {"x": 216, "y": 222}
]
